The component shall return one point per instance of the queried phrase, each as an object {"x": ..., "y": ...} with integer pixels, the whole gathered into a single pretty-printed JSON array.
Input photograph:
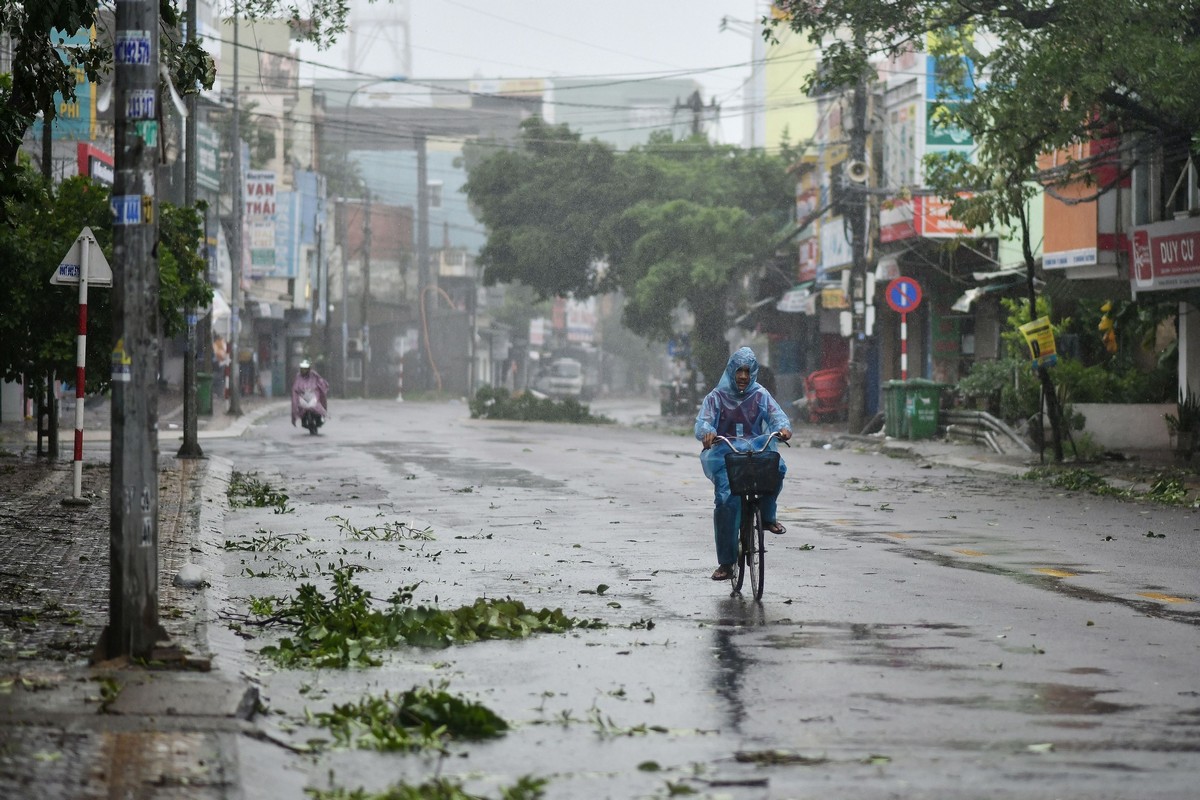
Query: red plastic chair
[{"x": 825, "y": 393}]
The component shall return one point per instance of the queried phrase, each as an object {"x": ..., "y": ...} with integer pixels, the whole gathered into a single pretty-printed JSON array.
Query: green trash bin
[
  {"x": 204, "y": 393},
  {"x": 922, "y": 401},
  {"x": 893, "y": 409}
]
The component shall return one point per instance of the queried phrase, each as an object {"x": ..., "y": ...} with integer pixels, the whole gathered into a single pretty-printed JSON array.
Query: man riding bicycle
[{"x": 738, "y": 408}]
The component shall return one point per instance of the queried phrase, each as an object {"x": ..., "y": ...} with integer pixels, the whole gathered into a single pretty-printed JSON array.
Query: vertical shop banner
[
  {"x": 208, "y": 146},
  {"x": 942, "y": 99},
  {"x": 260, "y": 205},
  {"x": 75, "y": 120},
  {"x": 286, "y": 217}
]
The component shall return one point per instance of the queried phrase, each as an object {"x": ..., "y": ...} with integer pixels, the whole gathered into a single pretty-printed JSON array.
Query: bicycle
[{"x": 753, "y": 474}]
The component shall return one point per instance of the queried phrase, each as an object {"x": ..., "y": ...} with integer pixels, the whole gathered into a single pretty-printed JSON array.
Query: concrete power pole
[
  {"x": 366, "y": 297},
  {"x": 191, "y": 442},
  {"x": 859, "y": 209},
  {"x": 50, "y": 407},
  {"x": 133, "y": 625},
  {"x": 423, "y": 277},
  {"x": 235, "y": 297}
]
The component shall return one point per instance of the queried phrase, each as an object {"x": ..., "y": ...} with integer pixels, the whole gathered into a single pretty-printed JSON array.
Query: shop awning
[
  {"x": 996, "y": 281},
  {"x": 797, "y": 300}
]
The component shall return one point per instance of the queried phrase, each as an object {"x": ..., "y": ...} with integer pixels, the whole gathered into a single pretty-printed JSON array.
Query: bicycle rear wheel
[
  {"x": 755, "y": 553},
  {"x": 745, "y": 537}
]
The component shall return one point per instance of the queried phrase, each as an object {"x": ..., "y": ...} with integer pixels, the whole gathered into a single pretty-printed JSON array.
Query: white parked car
[{"x": 562, "y": 379}]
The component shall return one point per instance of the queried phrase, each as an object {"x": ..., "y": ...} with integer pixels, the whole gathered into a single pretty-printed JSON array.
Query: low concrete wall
[{"x": 1127, "y": 426}]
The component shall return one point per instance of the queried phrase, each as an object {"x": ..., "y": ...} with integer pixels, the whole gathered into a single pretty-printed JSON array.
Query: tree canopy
[
  {"x": 38, "y": 321},
  {"x": 672, "y": 223},
  {"x": 41, "y": 66},
  {"x": 1044, "y": 75}
]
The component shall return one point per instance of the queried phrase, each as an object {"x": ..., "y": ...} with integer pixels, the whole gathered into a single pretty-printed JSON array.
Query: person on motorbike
[
  {"x": 309, "y": 381},
  {"x": 738, "y": 408}
]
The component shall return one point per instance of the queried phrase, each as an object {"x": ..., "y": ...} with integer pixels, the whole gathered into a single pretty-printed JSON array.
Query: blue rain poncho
[{"x": 750, "y": 416}]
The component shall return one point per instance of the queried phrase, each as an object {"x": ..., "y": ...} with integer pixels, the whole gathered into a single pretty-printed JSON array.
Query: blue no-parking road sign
[{"x": 903, "y": 295}]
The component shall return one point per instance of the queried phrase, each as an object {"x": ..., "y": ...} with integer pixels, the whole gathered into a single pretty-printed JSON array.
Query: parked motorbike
[{"x": 311, "y": 412}]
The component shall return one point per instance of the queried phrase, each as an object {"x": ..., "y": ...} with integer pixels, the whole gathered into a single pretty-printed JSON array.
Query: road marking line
[
  {"x": 973, "y": 553},
  {"x": 1166, "y": 598},
  {"x": 1055, "y": 573}
]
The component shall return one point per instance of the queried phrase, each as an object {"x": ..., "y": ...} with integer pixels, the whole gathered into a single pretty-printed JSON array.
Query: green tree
[
  {"x": 1051, "y": 75},
  {"x": 40, "y": 68},
  {"x": 38, "y": 321},
  {"x": 673, "y": 223},
  {"x": 1064, "y": 69}
]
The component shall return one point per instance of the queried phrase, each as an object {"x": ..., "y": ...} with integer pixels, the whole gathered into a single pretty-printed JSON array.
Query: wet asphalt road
[{"x": 925, "y": 633}]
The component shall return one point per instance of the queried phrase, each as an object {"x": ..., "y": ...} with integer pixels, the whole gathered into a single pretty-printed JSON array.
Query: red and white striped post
[
  {"x": 84, "y": 264},
  {"x": 903, "y": 295},
  {"x": 80, "y": 361}
]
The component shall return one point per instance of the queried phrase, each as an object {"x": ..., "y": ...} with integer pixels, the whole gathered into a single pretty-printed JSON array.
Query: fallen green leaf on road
[{"x": 766, "y": 758}]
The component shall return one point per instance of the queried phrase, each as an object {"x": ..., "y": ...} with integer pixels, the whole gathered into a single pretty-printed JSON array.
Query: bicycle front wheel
[
  {"x": 754, "y": 551},
  {"x": 756, "y": 555},
  {"x": 745, "y": 538}
]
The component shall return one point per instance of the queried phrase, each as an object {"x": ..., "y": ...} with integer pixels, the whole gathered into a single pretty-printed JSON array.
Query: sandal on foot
[
  {"x": 774, "y": 527},
  {"x": 723, "y": 572}
]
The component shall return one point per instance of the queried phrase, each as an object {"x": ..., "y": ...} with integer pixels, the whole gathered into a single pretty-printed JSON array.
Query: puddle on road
[
  {"x": 467, "y": 471},
  {"x": 876, "y": 645},
  {"x": 1052, "y": 699},
  {"x": 1027, "y": 575}
]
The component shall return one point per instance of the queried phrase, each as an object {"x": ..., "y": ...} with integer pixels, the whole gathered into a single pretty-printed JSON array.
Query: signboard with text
[
  {"x": 1165, "y": 255},
  {"x": 260, "y": 220}
]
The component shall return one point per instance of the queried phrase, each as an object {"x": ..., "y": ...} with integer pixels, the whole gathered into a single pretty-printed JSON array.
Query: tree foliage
[
  {"x": 38, "y": 321},
  {"x": 41, "y": 67},
  {"x": 1044, "y": 75},
  {"x": 672, "y": 223},
  {"x": 1024, "y": 79}
]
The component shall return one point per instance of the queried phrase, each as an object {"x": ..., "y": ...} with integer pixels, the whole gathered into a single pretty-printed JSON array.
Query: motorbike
[{"x": 311, "y": 416}]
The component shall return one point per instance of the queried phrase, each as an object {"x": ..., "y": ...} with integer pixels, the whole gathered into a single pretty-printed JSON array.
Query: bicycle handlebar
[{"x": 770, "y": 436}]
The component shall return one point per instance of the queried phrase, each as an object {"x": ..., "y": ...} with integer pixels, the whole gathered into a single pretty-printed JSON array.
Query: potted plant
[{"x": 1184, "y": 425}]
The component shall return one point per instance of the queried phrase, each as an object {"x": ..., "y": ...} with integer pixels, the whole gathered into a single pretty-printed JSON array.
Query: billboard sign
[
  {"x": 74, "y": 120},
  {"x": 208, "y": 146},
  {"x": 260, "y": 209},
  {"x": 1166, "y": 255}
]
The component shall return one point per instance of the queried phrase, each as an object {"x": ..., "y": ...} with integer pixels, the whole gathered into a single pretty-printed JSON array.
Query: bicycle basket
[{"x": 754, "y": 473}]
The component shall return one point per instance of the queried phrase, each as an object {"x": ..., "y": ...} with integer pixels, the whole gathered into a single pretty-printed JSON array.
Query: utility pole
[
  {"x": 191, "y": 443},
  {"x": 50, "y": 406},
  {"x": 694, "y": 104},
  {"x": 345, "y": 317},
  {"x": 423, "y": 278},
  {"x": 366, "y": 296},
  {"x": 858, "y": 209},
  {"x": 239, "y": 207},
  {"x": 133, "y": 625}
]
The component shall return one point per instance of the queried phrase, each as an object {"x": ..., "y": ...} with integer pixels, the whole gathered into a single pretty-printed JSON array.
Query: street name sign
[{"x": 99, "y": 272}]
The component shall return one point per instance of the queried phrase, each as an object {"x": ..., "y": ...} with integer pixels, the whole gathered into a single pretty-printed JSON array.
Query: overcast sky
[{"x": 569, "y": 39}]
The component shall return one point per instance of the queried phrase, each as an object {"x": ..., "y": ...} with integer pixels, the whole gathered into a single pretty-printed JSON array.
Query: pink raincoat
[{"x": 314, "y": 383}]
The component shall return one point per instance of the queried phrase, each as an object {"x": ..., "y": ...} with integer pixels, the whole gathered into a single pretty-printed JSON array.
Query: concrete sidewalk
[{"x": 74, "y": 729}]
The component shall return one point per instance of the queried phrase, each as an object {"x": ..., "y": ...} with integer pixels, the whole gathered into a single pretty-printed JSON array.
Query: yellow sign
[
  {"x": 1039, "y": 335},
  {"x": 834, "y": 297},
  {"x": 122, "y": 364}
]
